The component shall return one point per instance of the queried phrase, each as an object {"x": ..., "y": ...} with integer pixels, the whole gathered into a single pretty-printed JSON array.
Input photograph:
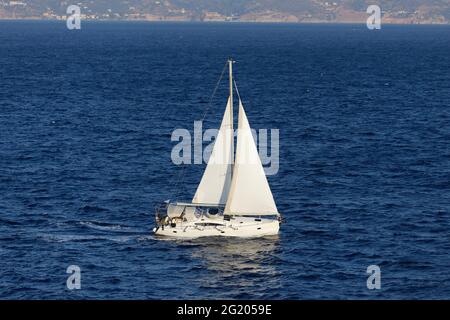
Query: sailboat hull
[{"x": 243, "y": 227}]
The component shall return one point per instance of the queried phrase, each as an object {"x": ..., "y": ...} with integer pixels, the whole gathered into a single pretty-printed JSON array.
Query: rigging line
[
  {"x": 210, "y": 99},
  {"x": 180, "y": 180},
  {"x": 177, "y": 179},
  {"x": 237, "y": 91},
  {"x": 178, "y": 187},
  {"x": 214, "y": 92}
]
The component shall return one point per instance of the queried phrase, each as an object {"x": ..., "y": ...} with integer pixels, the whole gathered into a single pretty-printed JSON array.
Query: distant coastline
[
  {"x": 163, "y": 20},
  {"x": 268, "y": 11}
]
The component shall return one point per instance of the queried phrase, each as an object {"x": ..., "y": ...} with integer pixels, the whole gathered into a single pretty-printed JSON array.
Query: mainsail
[
  {"x": 250, "y": 192},
  {"x": 216, "y": 181}
]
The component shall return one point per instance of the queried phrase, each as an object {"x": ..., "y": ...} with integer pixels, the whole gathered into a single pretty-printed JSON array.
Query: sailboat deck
[{"x": 189, "y": 204}]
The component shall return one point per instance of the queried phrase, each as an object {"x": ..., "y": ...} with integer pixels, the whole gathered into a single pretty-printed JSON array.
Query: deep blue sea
[{"x": 86, "y": 118}]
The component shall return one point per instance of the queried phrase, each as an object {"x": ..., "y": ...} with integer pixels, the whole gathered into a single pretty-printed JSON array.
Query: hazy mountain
[{"x": 394, "y": 11}]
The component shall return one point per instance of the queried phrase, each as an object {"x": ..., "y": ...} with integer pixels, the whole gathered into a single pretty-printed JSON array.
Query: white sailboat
[{"x": 233, "y": 198}]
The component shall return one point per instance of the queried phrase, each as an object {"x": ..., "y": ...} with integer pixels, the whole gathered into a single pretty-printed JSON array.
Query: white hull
[{"x": 244, "y": 227}]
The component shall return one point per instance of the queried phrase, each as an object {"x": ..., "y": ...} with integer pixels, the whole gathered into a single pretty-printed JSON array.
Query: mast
[{"x": 230, "y": 64}]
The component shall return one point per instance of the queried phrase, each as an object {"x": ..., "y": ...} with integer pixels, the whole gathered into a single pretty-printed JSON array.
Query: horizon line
[{"x": 232, "y": 22}]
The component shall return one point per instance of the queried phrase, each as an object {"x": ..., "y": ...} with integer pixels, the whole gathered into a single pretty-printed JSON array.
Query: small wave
[
  {"x": 145, "y": 238},
  {"x": 102, "y": 226},
  {"x": 84, "y": 238},
  {"x": 93, "y": 209},
  {"x": 9, "y": 222}
]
